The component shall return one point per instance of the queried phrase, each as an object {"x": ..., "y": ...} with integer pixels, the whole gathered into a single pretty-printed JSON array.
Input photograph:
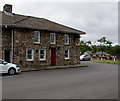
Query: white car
[
  {"x": 9, "y": 68},
  {"x": 85, "y": 57}
]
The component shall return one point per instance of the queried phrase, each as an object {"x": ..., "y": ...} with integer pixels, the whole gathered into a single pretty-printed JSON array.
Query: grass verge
[{"x": 107, "y": 61}]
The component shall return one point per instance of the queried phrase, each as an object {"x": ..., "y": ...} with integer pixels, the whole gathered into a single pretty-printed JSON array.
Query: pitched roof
[
  {"x": 30, "y": 22},
  {"x": 89, "y": 52},
  {"x": 100, "y": 53}
]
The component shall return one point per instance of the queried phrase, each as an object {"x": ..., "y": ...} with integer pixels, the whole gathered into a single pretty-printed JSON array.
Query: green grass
[{"x": 107, "y": 61}]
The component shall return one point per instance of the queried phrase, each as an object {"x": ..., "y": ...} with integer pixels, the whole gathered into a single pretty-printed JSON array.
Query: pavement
[
  {"x": 97, "y": 81},
  {"x": 54, "y": 67}
]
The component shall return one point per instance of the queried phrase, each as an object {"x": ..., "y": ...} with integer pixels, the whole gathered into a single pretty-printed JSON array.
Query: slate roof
[
  {"x": 22, "y": 21},
  {"x": 89, "y": 52},
  {"x": 100, "y": 53}
]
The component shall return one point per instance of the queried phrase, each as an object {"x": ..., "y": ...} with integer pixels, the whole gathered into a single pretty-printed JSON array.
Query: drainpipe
[
  {"x": 1, "y": 49},
  {"x": 12, "y": 32}
]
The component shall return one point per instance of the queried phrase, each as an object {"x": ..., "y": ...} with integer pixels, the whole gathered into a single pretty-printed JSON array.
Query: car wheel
[
  {"x": 12, "y": 71},
  {"x": 83, "y": 59}
]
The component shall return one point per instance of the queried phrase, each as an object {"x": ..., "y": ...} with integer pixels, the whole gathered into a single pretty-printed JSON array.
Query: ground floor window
[
  {"x": 67, "y": 54},
  {"x": 42, "y": 54},
  {"x": 30, "y": 54}
]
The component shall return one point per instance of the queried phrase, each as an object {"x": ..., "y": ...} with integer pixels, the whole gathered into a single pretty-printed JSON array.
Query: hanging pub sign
[{"x": 77, "y": 41}]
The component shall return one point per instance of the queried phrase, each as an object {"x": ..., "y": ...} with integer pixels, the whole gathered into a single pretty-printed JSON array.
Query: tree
[
  {"x": 103, "y": 43},
  {"x": 89, "y": 43},
  {"x": 94, "y": 48},
  {"x": 82, "y": 43},
  {"x": 84, "y": 47},
  {"x": 117, "y": 51},
  {"x": 102, "y": 40},
  {"x": 109, "y": 43}
]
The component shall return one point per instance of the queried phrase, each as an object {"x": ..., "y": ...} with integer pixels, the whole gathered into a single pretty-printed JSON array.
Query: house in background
[
  {"x": 88, "y": 53},
  {"x": 100, "y": 54},
  {"x": 37, "y": 42}
]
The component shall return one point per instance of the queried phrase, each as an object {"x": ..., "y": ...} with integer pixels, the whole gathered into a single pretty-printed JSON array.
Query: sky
[{"x": 97, "y": 19}]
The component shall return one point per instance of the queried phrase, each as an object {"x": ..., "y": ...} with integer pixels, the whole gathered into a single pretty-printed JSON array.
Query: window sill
[
  {"x": 67, "y": 58},
  {"x": 37, "y": 43},
  {"x": 43, "y": 60},
  {"x": 29, "y": 60},
  {"x": 52, "y": 43}
]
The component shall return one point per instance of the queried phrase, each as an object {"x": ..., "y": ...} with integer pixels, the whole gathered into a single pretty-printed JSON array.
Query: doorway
[
  {"x": 53, "y": 56},
  {"x": 7, "y": 55}
]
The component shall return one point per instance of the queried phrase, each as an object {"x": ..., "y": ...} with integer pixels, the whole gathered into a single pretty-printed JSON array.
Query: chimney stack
[{"x": 7, "y": 8}]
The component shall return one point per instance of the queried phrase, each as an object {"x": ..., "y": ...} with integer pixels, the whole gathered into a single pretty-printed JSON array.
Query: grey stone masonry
[{"x": 24, "y": 39}]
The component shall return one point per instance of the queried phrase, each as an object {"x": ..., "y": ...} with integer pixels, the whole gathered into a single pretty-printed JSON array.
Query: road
[{"x": 97, "y": 81}]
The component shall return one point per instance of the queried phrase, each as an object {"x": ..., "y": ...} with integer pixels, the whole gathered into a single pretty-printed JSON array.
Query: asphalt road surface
[{"x": 97, "y": 81}]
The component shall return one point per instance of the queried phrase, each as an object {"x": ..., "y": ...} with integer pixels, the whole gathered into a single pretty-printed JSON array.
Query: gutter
[{"x": 42, "y": 29}]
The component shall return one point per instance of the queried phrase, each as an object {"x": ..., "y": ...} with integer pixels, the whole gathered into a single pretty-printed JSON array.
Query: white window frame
[
  {"x": 68, "y": 54},
  {"x": 32, "y": 59},
  {"x": 44, "y": 54},
  {"x": 66, "y": 37},
  {"x": 38, "y": 41},
  {"x": 53, "y": 38}
]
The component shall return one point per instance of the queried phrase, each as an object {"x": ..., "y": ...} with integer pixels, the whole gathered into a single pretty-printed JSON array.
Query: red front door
[{"x": 53, "y": 56}]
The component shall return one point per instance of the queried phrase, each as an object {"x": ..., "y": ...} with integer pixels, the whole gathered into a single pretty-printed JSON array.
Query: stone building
[{"x": 33, "y": 42}]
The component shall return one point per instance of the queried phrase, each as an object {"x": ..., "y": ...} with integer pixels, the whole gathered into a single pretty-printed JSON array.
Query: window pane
[
  {"x": 36, "y": 36},
  {"x": 66, "y": 54},
  {"x": 52, "y": 37},
  {"x": 66, "y": 51},
  {"x": 42, "y": 54},
  {"x": 29, "y": 51},
  {"x": 30, "y": 54},
  {"x": 66, "y": 39}
]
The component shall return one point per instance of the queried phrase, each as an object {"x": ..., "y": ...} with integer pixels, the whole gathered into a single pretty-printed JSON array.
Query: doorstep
[{"x": 54, "y": 67}]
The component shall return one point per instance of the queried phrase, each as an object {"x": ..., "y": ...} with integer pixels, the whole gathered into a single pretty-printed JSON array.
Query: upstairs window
[
  {"x": 36, "y": 37},
  {"x": 66, "y": 39},
  {"x": 52, "y": 38},
  {"x": 42, "y": 54},
  {"x": 67, "y": 54},
  {"x": 30, "y": 54}
]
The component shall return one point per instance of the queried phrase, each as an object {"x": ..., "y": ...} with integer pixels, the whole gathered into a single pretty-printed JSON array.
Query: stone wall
[
  {"x": 23, "y": 39},
  {"x": 6, "y": 40}
]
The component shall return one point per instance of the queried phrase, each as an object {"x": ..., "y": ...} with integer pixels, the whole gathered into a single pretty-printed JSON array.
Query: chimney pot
[{"x": 7, "y": 8}]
